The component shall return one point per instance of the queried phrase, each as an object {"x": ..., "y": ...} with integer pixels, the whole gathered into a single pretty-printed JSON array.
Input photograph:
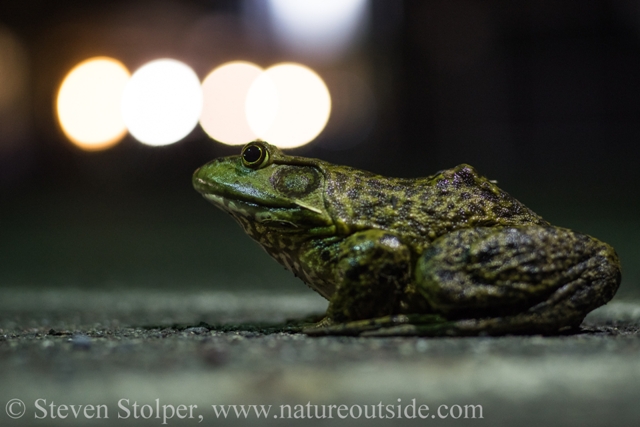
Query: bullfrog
[{"x": 443, "y": 255}]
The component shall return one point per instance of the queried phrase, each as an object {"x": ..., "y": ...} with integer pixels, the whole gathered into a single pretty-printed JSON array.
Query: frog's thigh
[
  {"x": 496, "y": 272},
  {"x": 372, "y": 270}
]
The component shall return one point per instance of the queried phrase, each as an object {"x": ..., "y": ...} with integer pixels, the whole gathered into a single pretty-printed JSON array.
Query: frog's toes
[
  {"x": 324, "y": 323},
  {"x": 416, "y": 329},
  {"x": 395, "y": 325},
  {"x": 399, "y": 330},
  {"x": 358, "y": 327}
]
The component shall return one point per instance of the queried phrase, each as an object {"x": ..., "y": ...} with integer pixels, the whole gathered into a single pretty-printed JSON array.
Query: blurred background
[{"x": 107, "y": 108}]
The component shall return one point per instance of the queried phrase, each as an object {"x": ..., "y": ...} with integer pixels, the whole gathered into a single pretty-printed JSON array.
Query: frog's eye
[{"x": 254, "y": 155}]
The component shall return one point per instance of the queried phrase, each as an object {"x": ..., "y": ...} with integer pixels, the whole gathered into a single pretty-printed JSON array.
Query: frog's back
[{"x": 421, "y": 209}]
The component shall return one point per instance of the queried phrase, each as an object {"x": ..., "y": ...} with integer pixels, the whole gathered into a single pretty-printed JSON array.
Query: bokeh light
[
  {"x": 319, "y": 29},
  {"x": 162, "y": 102},
  {"x": 225, "y": 91},
  {"x": 14, "y": 71},
  {"x": 88, "y": 103},
  {"x": 288, "y": 105},
  {"x": 262, "y": 102}
]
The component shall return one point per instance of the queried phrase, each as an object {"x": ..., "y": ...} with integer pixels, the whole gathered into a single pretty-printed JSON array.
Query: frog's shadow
[
  {"x": 305, "y": 325},
  {"x": 291, "y": 326}
]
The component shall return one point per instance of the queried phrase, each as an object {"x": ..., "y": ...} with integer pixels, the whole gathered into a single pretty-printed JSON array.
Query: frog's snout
[
  {"x": 198, "y": 180},
  {"x": 195, "y": 174}
]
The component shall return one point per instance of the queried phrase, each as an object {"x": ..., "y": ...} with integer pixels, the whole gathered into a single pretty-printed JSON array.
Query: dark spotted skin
[
  {"x": 449, "y": 254},
  {"x": 421, "y": 209}
]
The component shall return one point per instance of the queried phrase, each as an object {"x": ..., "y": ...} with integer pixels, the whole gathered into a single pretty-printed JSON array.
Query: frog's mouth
[
  {"x": 247, "y": 199},
  {"x": 236, "y": 206},
  {"x": 285, "y": 216}
]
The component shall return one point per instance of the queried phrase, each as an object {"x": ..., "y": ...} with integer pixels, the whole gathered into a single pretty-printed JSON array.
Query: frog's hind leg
[
  {"x": 496, "y": 281},
  {"x": 529, "y": 279}
]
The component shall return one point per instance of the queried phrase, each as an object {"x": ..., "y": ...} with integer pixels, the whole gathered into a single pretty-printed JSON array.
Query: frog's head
[{"x": 266, "y": 190}]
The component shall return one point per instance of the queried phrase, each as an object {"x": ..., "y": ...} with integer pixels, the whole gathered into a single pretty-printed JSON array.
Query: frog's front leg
[{"x": 371, "y": 273}]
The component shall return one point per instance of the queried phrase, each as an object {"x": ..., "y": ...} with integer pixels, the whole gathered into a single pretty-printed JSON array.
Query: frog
[{"x": 450, "y": 254}]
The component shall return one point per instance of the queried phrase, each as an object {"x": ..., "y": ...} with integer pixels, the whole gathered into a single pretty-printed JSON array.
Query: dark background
[{"x": 543, "y": 96}]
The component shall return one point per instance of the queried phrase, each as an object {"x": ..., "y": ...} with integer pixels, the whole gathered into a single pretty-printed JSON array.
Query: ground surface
[{"x": 97, "y": 347}]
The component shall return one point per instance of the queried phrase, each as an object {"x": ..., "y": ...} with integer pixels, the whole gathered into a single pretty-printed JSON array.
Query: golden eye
[{"x": 254, "y": 155}]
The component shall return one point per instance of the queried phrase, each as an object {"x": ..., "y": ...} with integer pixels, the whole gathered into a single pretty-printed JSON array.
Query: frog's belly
[{"x": 288, "y": 251}]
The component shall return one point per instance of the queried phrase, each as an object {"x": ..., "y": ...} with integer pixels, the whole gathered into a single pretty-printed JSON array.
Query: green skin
[{"x": 449, "y": 254}]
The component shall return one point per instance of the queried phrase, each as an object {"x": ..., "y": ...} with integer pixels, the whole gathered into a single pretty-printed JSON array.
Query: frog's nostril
[{"x": 197, "y": 175}]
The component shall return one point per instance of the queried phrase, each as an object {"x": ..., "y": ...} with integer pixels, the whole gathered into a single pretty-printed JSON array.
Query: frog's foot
[
  {"x": 430, "y": 325},
  {"x": 297, "y": 325},
  {"x": 401, "y": 324}
]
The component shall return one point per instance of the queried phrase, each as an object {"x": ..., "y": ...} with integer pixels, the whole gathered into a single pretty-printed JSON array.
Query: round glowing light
[
  {"x": 89, "y": 101},
  {"x": 225, "y": 92},
  {"x": 262, "y": 102},
  {"x": 288, "y": 105},
  {"x": 319, "y": 28},
  {"x": 162, "y": 102}
]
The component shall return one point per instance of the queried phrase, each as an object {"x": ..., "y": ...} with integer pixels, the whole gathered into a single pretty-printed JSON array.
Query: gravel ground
[{"x": 78, "y": 347}]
